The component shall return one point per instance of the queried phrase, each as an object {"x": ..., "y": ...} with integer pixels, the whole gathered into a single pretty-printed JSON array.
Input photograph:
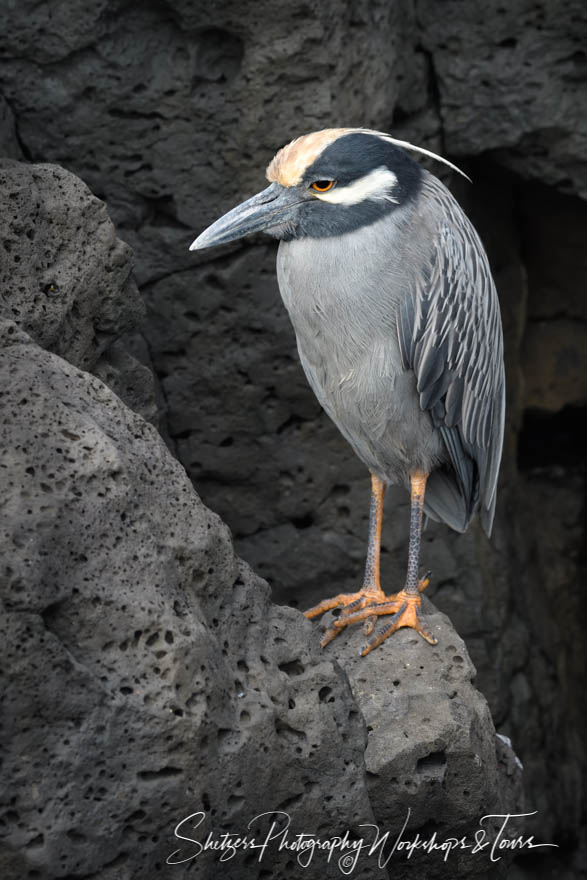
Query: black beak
[{"x": 272, "y": 207}]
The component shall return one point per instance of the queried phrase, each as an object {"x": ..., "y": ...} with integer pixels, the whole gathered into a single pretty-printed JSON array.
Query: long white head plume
[
  {"x": 290, "y": 163},
  {"x": 406, "y": 145}
]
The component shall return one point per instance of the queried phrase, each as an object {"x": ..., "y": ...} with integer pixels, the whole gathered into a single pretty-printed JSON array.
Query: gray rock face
[
  {"x": 432, "y": 756},
  {"x": 512, "y": 78},
  {"x": 67, "y": 279},
  {"x": 146, "y": 674},
  {"x": 555, "y": 342},
  {"x": 9, "y": 145},
  {"x": 171, "y": 111},
  {"x": 149, "y": 684}
]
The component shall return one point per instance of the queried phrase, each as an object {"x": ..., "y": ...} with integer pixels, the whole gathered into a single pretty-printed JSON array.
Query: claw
[
  {"x": 328, "y": 636},
  {"x": 369, "y": 604},
  {"x": 369, "y": 624},
  {"x": 349, "y": 601},
  {"x": 408, "y": 615}
]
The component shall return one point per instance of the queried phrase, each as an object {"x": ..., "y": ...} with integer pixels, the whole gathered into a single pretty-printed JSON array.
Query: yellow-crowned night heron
[{"x": 399, "y": 333}]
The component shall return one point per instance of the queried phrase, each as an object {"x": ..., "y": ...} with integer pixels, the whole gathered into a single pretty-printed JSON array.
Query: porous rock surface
[
  {"x": 431, "y": 743},
  {"x": 146, "y": 676},
  {"x": 511, "y": 79},
  {"x": 171, "y": 109},
  {"x": 67, "y": 279}
]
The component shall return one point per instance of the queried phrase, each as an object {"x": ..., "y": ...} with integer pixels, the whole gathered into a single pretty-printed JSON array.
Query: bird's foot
[
  {"x": 408, "y": 614},
  {"x": 367, "y": 605},
  {"x": 350, "y": 602}
]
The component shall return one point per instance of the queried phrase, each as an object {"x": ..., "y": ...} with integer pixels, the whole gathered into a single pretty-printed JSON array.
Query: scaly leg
[
  {"x": 371, "y": 602},
  {"x": 405, "y": 606},
  {"x": 371, "y": 592}
]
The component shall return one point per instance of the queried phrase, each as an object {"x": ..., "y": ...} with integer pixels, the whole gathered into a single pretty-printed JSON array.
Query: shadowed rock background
[
  {"x": 170, "y": 111},
  {"x": 145, "y": 676}
]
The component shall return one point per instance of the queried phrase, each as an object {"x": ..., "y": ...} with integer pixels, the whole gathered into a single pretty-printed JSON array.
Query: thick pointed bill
[{"x": 272, "y": 207}]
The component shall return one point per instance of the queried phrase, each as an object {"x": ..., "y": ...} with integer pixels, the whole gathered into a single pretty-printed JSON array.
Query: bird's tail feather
[{"x": 444, "y": 501}]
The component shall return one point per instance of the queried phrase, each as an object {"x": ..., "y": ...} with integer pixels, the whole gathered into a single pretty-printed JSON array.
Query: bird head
[{"x": 325, "y": 183}]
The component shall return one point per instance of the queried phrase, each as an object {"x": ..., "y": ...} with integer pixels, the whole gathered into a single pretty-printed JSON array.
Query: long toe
[
  {"x": 349, "y": 616},
  {"x": 349, "y": 601},
  {"x": 409, "y": 615},
  {"x": 365, "y": 605}
]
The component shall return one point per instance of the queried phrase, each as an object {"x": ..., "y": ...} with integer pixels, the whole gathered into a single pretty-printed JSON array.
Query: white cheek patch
[{"x": 378, "y": 184}]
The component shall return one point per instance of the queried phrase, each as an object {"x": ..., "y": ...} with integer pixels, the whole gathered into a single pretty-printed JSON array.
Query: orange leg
[
  {"x": 371, "y": 601},
  {"x": 371, "y": 592}
]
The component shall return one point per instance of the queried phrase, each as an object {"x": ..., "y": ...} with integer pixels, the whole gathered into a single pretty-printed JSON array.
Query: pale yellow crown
[{"x": 288, "y": 165}]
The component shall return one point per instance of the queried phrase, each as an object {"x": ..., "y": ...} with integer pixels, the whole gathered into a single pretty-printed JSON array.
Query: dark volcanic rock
[
  {"x": 432, "y": 757},
  {"x": 512, "y": 77},
  {"x": 171, "y": 111},
  {"x": 146, "y": 676},
  {"x": 66, "y": 279},
  {"x": 555, "y": 342},
  {"x": 9, "y": 145}
]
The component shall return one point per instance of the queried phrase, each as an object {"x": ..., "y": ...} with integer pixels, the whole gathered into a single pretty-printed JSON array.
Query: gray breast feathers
[
  {"x": 399, "y": 333},
  {"x": 342, "y": 297}
]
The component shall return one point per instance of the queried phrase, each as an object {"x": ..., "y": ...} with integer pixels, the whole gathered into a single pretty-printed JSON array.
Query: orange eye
[{"x": 322, "y": 186}]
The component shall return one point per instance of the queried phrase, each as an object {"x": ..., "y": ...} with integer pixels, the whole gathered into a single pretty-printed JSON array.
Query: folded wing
[{"x": 450, "y": 335}]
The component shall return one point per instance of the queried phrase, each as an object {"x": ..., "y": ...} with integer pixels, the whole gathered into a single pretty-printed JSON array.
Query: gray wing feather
[{"x": 450, "y": 335}]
